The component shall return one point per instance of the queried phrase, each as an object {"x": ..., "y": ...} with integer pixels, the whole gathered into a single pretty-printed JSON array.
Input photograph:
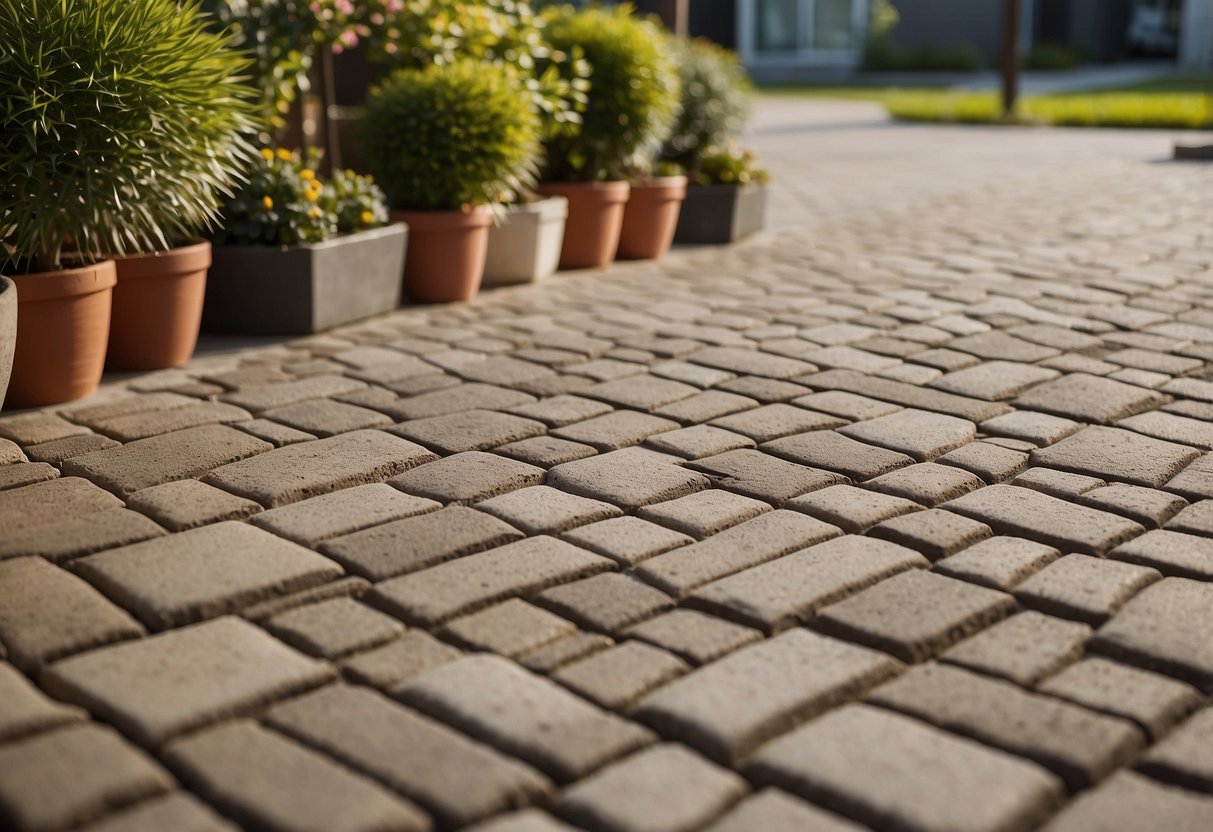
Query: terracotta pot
[
  {"x": 65, "y": 323},
  {"x": 651, "y": 217},
  {"x": 591, "y": 232},
  {"x": 445, "y": 260},
  {"x": 158, "y": 308},
  {"x": 8, "y": 332}
]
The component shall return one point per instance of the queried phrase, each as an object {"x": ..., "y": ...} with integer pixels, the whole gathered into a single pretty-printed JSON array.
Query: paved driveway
[{"x": 899, "y": 519}]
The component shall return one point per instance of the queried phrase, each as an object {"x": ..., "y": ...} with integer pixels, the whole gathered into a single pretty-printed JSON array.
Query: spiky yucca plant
[{"x": 120, "y": 123}]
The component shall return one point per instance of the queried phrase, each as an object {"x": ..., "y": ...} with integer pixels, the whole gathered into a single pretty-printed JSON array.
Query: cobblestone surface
[{"x": 900, "y": 518}]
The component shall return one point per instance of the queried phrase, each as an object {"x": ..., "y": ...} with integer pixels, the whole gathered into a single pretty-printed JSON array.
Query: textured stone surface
[
  {"x": 457, "y": 779},
  {"x": 922, "y": 435},
  {"x": 81, "y": 535},
  {"x": 929, "y": 779},
  {"x": 617, "y": 677},
  {"x": 531, "y": 718},
  {"x": 762, "y": 476},
  {"x": 186, "y": 504},
  {"x": 732, "y": 706},
  {"x": 1111, "y": 453},
  {"x": 183, "y": 455},
  {"x": 186, "y": 679},
  {"x": 998, "y": 562},
  {"x": 662, "y": 789},
  {"x": 349, "y": 510},
  {"x": 1084, "y": 588},
  {"x": 511, "y": 628},
  {"x": 419, "y": 542},
  {"x": 704, "y": 513},
  {"x": 696, "y": 637},
  {"x": 852, "y": 509},
  {"x": 1130, "y": 801},
  {"x": 1089, "y": 398},
  {"x": 64, "y": 777},
  {"x": 47, "y": 613},
  {"x": 834, "y": 452},
  {"x": 334, "y": 628},
  {"x": 1024, "y": 648},
  {"x": 203, "y": 573},
  {"x": 774, "y": 811},
  {"x": 544, "y": 510},
  {"x": 628, "y": 540},
  {"x": 468, "y": 478},
  {"x": 793, "y": 589},
  {"x": 1026, "y": 513},
  {"x": 26, "y": 710},
  {"x": 1154, "y": 702},
  {"x": 297, "y": 472},
  {"x": 265, "y": 780},
  {"x": 1081, "y": 747},
  {"x": 1165, "y": 628},
  {"x": 177, "y": 810},
  {"x": 915, "y": 614},
  {"x": 629, "y": 478},
  {"x": 467, "y": 584}
]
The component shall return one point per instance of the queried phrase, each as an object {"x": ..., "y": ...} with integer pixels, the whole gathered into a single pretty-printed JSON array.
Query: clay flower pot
[
  {"x": 591, "y": 232},
  {"x": 650, "y": 218},
  {"x": 8, "y": 332},
  {"x": 445, "y": 260},
  {"x": 158, "y": 307},
  {"x": 65, "y": 323}
]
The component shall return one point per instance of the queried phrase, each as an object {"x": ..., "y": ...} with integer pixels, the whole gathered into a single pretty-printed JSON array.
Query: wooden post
[
  {"x": 1010, "y": 56},
  {"x": 675, "y": 14}
]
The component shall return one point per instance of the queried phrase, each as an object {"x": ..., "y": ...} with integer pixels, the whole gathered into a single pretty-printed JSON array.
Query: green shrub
[
  {"x": 285, "y": 203},
  {"x": 1053, "y": 56},
  {"x": 1095, "y": 109},
  {"x": 714, "y": 101},
  {"x": 119, "y": 124},
  {"x": 424, "y": 32},
  {"x": 633, "y": 92},
  {"x": 730, "y": 165},
  {"x": 881, "y": 55},
  {"x": 451, "y": 135}
]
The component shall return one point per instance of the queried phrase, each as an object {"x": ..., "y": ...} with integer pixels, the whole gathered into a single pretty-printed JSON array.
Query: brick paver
[{"x": 900, "y": 518}]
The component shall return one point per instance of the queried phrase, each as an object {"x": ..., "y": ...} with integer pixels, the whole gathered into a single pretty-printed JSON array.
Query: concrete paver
[{"x": 562, "y": 541}]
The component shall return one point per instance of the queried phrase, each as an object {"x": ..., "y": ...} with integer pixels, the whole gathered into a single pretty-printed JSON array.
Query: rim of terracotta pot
[
  {"x": 613, "y": 190},
  {"x": 191, "y": 257},
  {"x": 471, "y": 217},
  {"x": 662, "y": 182},
  {"x": 78, "y": 280}
]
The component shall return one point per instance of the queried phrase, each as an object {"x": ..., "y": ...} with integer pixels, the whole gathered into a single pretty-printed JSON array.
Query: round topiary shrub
[
  {"x": 451, "y": 135},
  {"x": 715, "y": 101},
  {"x": 633, "y": 95},
  {"x": 120, "y": 123}
]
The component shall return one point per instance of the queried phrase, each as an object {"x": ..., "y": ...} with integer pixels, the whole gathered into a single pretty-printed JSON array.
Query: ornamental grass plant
[
  {"x": 121, "y": 123},
  {"x": 451, "y": 135}
]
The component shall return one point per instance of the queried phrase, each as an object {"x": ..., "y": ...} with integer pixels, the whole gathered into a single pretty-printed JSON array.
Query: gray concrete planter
[
  {"x": 8, "y": 332},
  {"x": 721, "y": 213},
  {"x": 526, "y": 246},
  {"x": 307, "y": 288}
]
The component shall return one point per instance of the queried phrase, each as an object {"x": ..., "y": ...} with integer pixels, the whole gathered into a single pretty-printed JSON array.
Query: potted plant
[
  {"x": 725, "y": 199},
  {"x": 631, "y": 103},
  {"x": 297, "y": 254},
  {"x": 448, "y": 143},
  {"x": 119, "y": 123},
  {"x": 728, "y": 198},
  {"x": 524, "y": 244},
  {"x": 651, "y": 213}
]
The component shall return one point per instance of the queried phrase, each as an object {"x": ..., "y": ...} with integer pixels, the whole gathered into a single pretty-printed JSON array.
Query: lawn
[{"x": 1172, "y": 102}]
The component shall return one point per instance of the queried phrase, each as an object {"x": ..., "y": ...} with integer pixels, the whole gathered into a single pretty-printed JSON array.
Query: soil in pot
[
  {"x": 650, "y": 218},
  {"x": 158, "y": 307},
  {"x": 445, "y": 259},
  {"x": 64, "y": 326},
  {"x": 591, "y": 232},
  {"x": 8, "y": 332}
]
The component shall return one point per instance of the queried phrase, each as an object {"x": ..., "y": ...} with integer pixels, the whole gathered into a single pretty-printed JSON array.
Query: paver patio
[{"x": 899, "y": 518}]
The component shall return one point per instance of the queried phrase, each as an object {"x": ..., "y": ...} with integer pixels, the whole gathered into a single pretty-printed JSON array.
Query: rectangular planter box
[
  {"x": 266, "y": 290},
  {"x": 526, "y": 246},
  {"x": 721, "y": 213}
]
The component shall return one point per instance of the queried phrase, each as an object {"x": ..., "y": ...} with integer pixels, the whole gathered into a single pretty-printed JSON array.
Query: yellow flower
[
  {"x": 267, "y": 203},
  {"x": 311, "y": 196},
  {"x": 314, "y": 213},
  {"x": 284, "y": 154},
  {"x": 307, "y": 174},
  {"x": 267, "y": 154},
  {"x": 367, "y": 218}
]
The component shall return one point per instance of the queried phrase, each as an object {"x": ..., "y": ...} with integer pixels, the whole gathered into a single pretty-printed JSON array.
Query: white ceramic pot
[{"x": 526, "y": 246}]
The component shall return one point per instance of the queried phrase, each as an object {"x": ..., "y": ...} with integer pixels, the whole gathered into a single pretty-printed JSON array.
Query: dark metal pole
[
  {"x": 1010, "y": 56},
  {"x": 328, "y": 96}
]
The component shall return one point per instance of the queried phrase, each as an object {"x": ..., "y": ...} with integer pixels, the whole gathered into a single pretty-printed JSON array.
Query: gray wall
[{"x": 947, "y": 22}]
